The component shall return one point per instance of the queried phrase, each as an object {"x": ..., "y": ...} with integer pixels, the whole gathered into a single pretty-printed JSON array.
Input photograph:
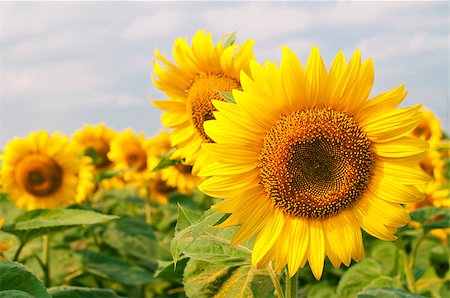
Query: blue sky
[{"x": 66, "y": 64}]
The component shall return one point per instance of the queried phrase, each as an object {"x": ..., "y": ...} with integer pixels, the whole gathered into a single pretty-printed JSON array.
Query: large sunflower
[
  {"x": 98, "y": 138},
  {"x": 200, "y": 73},
  {"x": 43, "y": 171},
  {"x": 306, "y": 161}
]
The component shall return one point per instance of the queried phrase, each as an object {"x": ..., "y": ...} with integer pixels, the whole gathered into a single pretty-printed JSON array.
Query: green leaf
[
  {"x": 15, "y": 294},
  {"x": 39, "y": 222},
  {"x": 132, "y": 236},
  {"x": 228, "y": 96},
  {"x": 166, "y": 161},
  {"x": 204, "y": 279},
  {"x": 107, "y": 175},
  {"x": 113, "y": 269},
  {"x": 93, "y": 154},
  {"x": 230, "y": 41},
  {"x": 15, "y": 276},
  {"x": 382, "y": 282},
  {"x": 169, "y": 270},
  {"x": 384, "y": 253},
  {"x": 186, "y": 217},
  {"x": 386, "y": 293},
  {"x": 77, "y": 292},
  {"x": 319, "y": 290},
  {"x": 432, "y": 218},
  {"x": 357, "y": 277},
  {"x": 202, "y": 241}
]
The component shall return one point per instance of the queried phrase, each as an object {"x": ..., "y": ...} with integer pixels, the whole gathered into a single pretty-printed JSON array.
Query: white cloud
[
  {"x": 392, "y": 46},
  {"x": 57, "y": 79},
  {"x": 159, "y": 24}
]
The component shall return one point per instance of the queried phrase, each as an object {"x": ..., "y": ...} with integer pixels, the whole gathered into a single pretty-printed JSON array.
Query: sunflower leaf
[
  {"x": 166, "y": 161},
  {"x": 18, "y": 281},
  {"x": 386, "y": 293},
  {"x": 357, "y": 277},
  {"x": 93, "y": 154},
  {"x": 114, "y": 269},
  {"x": 39, "y": 222},
  {"x": 202, "y": 241},
  {"x": 432, "y": 218},
  {"x": 76, "y": 292},
  {"x": 230, "y": 41},
  {"x": 204, "y": 279},
  {"x": 228, "y": 96}
]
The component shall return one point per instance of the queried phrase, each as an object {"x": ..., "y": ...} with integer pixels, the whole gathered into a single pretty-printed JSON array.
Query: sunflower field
[{"x": 274, "y": 179}]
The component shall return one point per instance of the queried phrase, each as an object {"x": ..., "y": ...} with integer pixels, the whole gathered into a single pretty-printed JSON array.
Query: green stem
[
  {"x": 412, "y": 259},
  {"x": 46, "y": 258},
  {"x": 148, "y": 211},
  {"x": 411, "y": 283},
  {"x": 291, "y": 285},
  {"x": 19, "y": 250},
  {"x": 275, "y": 281}
]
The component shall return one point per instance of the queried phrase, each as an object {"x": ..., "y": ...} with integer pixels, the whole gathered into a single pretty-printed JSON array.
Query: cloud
[
  {"x": 391, "y": 46},
  {"x": 158, "y": 24}
]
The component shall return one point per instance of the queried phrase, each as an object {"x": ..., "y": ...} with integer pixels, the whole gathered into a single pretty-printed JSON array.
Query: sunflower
[
  {"x": 133, "y": 154},
  {"x": 306, "y": 160},
  {"x": 43, "y": 171},
  {"x": 178, "y": 177},
  {"x": 201, "y": 72},
  {"x": 4, "y": 246},
  {"x": 98, "y": 138}
]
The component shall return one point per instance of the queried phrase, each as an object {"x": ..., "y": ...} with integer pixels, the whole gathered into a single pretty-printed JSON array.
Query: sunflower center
[
  {"x": 315, "y": 163},
  {"x": 39, "y": 175},
  {"x": 162, "y": 187},
  {"x": 205, "y": 88},
  {"x": 135, "y": 157},
  {"x": 102, "y": 149}
]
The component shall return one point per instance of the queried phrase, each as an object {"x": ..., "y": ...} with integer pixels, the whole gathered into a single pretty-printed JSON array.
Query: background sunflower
[{"x": 197, "y": 77}]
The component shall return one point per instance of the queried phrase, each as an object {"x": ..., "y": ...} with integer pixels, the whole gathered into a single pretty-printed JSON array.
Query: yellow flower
[
  {"x": 159, "y": 190},
  {"x": 98, "y": 138},
  {"x": 429, "y": 128},
  {"x": 133, "y": 154},
  {"x": 201, "y": 72},
  {"x": 4, "y": 246},
  {"x": 306, "y": 160},
  {"x": 43, "y": 171},
  {"x": 178, "y": 177}
]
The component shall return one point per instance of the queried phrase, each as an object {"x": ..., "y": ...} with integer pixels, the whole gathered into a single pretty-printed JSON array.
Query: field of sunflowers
[{"x": 275, "y": 179}]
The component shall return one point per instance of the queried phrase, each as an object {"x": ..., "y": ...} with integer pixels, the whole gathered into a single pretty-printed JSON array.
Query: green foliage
[
  {"x": 113, "y": 268},
  {"x": 432, "y": 218},
  {"x": 77, "y": 292},
  {"x": 166, "y": 161},
  {"x": 204, "y": 279},
  {"x": 230, "y": 41},
  {"x": 18, "y": 281},
  {"x": 228, "y": 96},
  {"x": 36, "y": 223},
  {"x": 386, "y": 293}
]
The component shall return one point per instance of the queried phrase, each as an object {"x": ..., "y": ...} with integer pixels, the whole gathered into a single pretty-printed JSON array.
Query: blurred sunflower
[
  {"x": 437, "y": 193},
  {"x": 133, "y": 154},
  {"x": 4, "y": 246},
  {"x": 201, "y": 72},
  {"x": 43, "y": 171},
  {"x": 159, "y": 189},
  {"x": 98, "y": 138},
  {"x": 179, "y": 176},
  {"x": 306, "y": 161}
]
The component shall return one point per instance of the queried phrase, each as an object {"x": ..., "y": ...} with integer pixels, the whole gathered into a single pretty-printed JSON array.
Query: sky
[{"x": 67, "y": 64}]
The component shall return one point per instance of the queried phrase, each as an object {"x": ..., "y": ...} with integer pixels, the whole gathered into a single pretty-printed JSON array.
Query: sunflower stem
[
  {"x": 46, "y": 258},
  {"x": 291, "y": 285},
  {"x": 275, "y": 281},
  {"x": 148, "y": 211},
  {"x": 18, "y": 251}
]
